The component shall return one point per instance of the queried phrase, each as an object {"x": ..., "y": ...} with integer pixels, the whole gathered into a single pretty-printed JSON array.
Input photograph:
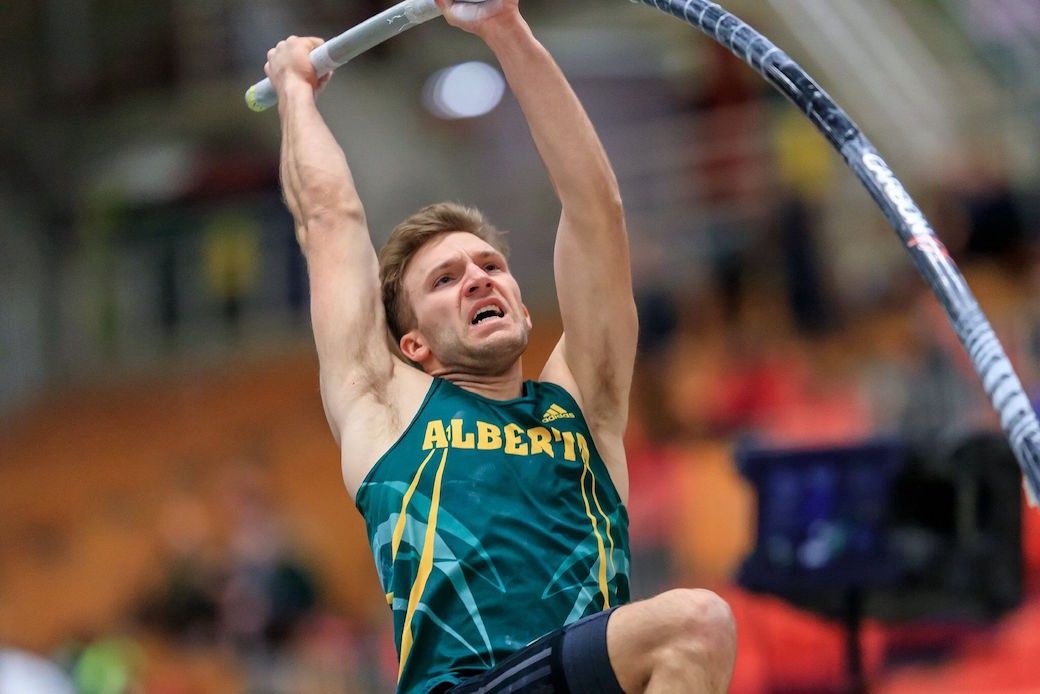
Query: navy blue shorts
[{"x": 573, "y": 659}]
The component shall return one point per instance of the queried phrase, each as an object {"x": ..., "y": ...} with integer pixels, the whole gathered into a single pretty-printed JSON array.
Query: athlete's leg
[{"x": 680, "y": 641}]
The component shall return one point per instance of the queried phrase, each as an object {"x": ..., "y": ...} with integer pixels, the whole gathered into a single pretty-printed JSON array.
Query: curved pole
[{"x": 1002, "y": 385}]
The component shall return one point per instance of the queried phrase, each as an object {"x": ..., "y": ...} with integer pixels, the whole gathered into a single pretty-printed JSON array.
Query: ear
[
  {"x": 527, "y": 316},
  {"x": 413, "y": 345}
]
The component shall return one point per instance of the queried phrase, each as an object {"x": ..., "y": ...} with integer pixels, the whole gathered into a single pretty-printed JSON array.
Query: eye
[
  {"x": 442, "y": 280},
  {"x": 491, "y": 267}
]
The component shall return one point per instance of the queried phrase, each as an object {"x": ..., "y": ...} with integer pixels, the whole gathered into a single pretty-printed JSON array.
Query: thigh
[{"x": 571, "y": 660}]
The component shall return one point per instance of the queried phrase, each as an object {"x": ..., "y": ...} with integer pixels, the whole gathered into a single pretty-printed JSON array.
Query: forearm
[
  {"x": 316, "y": 181},
  {"x": 566, "y": 140}
]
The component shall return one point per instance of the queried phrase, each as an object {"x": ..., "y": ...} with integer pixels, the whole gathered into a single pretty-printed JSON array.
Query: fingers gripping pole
[
  {"x": 1002, "y": 385},
  {"x": 352, "y": 43}
]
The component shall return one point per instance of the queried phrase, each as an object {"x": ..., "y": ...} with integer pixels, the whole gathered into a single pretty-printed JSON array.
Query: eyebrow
[
  {"x": 482, "y": 255},
  {"x": 485, "y": 255}
]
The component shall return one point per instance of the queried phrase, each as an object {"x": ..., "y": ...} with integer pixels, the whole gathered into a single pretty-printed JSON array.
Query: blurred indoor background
[{"x": 171, "y": 512}]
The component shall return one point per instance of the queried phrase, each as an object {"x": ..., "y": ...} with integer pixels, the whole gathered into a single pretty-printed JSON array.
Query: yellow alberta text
[{"x": 512, "y": 439}]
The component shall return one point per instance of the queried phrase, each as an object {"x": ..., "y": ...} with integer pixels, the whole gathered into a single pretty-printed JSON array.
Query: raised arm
[
  {"x": 593, "y": 274},
  {"x": 346, "y": 310}
]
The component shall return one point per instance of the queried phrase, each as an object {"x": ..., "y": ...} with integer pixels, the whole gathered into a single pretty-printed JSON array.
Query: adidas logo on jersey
[{"x": 556, "y": 412}]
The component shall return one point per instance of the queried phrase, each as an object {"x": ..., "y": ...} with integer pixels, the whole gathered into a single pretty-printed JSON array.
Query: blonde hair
[{"x": 412, "y": 234}]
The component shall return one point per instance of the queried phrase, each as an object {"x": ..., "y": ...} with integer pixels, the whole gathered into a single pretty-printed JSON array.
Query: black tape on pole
[{"x": 1005, "y": 391}]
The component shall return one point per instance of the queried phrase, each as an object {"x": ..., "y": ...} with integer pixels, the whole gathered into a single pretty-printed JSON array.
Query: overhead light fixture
[{"x": 468, "y": 90}]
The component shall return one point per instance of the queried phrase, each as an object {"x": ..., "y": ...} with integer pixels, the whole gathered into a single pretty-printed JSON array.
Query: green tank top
[{"x": 491, "y": 524}]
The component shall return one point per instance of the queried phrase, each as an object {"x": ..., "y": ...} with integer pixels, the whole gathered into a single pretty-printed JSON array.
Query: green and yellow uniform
[{"x": 491, "y": 523}]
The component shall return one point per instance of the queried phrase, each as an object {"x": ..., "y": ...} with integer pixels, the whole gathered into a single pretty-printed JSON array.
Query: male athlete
[{"x": 494, "y": 506}]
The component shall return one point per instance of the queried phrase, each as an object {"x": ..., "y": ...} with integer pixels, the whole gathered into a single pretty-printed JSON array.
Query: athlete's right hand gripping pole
[
  {"x": 1005, "y": 391},
  {"x": 352, "y": 43}
]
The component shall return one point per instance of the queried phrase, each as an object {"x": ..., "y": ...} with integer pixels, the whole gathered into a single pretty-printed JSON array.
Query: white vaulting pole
[{"x": 352, "y": 43}]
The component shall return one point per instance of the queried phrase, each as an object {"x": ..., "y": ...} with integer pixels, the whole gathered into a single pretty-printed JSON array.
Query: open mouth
[{"x": 486, "y": 313}]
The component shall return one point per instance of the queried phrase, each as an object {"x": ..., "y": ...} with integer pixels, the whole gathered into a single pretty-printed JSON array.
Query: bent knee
[
  {"x": 683, "y": 635},
  {"x": 700, "y": 621}
]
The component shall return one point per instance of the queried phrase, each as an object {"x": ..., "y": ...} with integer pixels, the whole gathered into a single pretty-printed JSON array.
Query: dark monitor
[
  {"x": 923, "y": 532},
  {"x": 824, "y": 517}
]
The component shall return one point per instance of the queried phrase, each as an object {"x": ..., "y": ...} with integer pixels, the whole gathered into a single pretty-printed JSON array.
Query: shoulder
[
  {"x": 607, "y": 440},
  {"x": 605, "y": 408},
  {"x": 606, "y": 417},
  {"x": 556, "y": 374}
]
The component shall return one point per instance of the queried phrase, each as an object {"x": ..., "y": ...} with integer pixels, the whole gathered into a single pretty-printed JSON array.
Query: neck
[{"x": 503, "y": 386}]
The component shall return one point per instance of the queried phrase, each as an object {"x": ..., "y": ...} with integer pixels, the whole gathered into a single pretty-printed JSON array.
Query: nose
[{"x": 477, "y": 280}]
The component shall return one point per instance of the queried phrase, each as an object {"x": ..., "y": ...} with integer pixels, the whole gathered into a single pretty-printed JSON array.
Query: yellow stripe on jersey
[
  {"x": 403, "y": 517},
  {"x": 599, "y": 540},
  {"x": 425, "y": 565},
  {"x": 583, "y": 446}
]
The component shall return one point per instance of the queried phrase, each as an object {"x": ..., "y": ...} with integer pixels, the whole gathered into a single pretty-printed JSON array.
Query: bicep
[
  {"x": 347, "y": 318},
  {"x": 594, "y": 286}
]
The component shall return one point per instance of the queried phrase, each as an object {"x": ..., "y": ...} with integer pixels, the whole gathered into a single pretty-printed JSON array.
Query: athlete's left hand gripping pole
[{"x": 352, "y": 43}]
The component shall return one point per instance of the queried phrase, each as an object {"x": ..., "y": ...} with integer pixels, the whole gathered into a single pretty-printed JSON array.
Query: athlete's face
[{"x": 469, "y": 314}]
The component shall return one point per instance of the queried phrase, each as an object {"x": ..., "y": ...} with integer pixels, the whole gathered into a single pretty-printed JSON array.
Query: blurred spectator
[
  {"x": 185, "y": 606},
  {"x": 268, "y": 592},
  {"x": 732, "y": 168},
  {"x": 804, "y": 171},
  {"x": 981, "y": 213},
  {"x": 803, "y": 271},
  {"x": 232, "y": 260}
]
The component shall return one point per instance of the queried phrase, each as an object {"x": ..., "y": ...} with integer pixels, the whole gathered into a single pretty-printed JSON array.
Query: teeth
[{"x": 488, "y": 312}]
